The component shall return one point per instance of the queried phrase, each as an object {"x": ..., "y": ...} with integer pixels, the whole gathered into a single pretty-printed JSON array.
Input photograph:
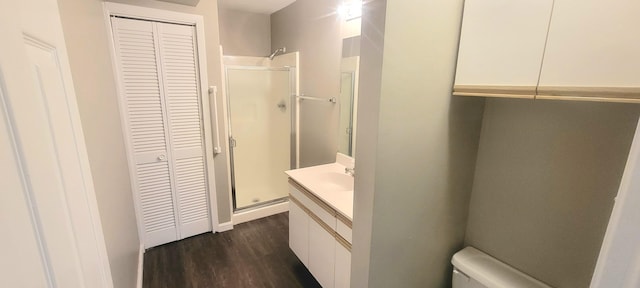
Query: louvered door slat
[
  {"x": 180, "y": 78},
  {"x": 143, "y": 103}
]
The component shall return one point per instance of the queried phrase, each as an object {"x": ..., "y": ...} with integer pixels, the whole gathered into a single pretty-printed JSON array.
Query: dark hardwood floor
[{"x": 253, "y": 254}]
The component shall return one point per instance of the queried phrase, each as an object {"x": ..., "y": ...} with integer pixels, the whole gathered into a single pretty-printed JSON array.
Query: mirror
[{"x": 349, "y": 72}]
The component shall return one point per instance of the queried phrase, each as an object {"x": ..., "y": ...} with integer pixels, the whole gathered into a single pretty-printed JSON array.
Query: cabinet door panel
[
  {"x": 343, "y": 267},
  {"x": 502, "y": 43},
  {"x": 299, "y": 232},
  {"x": 593, "y": 43},
  {"x": 321, "y": 254}
]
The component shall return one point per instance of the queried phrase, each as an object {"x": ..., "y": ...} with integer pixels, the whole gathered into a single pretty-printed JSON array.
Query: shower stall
[{"x": 260, "y": 97}]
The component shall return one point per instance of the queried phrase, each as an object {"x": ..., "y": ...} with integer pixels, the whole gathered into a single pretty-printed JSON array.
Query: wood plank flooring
[{"x": 253, "y": 254}]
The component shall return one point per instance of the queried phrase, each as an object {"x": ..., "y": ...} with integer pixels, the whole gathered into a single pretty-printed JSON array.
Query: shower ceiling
[{"x": 255, "y": 6}]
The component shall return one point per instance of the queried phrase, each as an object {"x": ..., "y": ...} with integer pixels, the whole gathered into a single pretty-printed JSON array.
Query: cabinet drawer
[
  {"x": 321, "y": 210},
  {"x": 344, "y": 230}
]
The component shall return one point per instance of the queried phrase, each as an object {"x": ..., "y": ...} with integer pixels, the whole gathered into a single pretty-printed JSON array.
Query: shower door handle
[{"x": 232, "y": 142}]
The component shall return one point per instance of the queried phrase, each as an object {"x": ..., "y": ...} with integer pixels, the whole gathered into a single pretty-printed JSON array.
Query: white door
[
  {"x": 619, "y": 260},
  {"x": 162, "y": 110},
  {"x": 51, "y": 231},
  {"x": 180, "y": 71}
]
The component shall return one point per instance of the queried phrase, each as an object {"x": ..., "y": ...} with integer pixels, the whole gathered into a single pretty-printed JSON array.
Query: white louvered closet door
[
  {"x": 158, "y": 70},
  {"x": 180, "y": 78}
]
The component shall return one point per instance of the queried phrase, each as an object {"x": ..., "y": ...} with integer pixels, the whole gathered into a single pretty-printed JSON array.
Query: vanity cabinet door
[
  {"x": 343, "y": 267},
  {"x": 501, "y": 47},
  {"x": 592, "y": 51},
  {"x": 322, "y": 246},
  {"x": 299, "y": 232}
]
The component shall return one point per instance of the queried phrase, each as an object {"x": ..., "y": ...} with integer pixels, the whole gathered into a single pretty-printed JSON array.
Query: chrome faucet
[{"x": 350, "y": 171}]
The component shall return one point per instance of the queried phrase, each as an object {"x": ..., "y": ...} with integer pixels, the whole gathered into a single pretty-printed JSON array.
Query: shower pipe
[{"x": 277, "y": 52}]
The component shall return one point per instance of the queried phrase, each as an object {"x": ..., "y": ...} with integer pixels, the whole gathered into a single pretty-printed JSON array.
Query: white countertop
[{"x": 330, "y": 183}]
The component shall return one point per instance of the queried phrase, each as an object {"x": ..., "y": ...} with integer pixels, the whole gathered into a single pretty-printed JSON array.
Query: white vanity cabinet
[
  {"x": 320, "y": 237},
  {"x": 501, "y": 47},
  {"x": 592, "y": 51}
]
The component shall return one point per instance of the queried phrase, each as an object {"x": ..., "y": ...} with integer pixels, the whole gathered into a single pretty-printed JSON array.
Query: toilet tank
[{"x": 475, "y": 269}]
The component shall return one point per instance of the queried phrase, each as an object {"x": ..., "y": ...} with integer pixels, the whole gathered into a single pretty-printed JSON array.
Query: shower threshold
[{"x": 260, "y": 210}]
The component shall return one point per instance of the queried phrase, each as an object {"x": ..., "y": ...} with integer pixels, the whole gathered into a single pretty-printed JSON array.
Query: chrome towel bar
[{"x": 303, "y": 97}]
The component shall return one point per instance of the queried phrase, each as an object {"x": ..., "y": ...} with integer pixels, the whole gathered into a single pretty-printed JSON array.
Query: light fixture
[{"x": 350, "y": 10}]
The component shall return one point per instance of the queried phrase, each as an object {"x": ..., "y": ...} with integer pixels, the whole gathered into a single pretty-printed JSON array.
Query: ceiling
[
  {"x": 183, "y": 2},
  {"x": 256, "y": 6}
]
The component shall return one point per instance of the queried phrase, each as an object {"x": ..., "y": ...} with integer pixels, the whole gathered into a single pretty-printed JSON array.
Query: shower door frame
[{"x": 293, "y": 138}]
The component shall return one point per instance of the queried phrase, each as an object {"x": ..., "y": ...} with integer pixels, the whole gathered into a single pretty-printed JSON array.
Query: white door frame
[
  {"x": 137, "y": 12},
  {"x": 619, "y": 260}
]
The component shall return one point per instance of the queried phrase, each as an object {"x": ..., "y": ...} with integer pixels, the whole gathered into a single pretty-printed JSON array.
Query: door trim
[{"x": 158, "y": 15}]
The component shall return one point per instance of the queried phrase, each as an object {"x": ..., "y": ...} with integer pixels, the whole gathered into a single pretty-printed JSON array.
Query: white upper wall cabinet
[
  {"x": 593, "y": 51},
  {"x": 501, "y": 47}
]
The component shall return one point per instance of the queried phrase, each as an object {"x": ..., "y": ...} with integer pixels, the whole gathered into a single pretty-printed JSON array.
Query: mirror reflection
[
  {"x": 348, "y": 100},
  {"x": 348, "y": 95}
]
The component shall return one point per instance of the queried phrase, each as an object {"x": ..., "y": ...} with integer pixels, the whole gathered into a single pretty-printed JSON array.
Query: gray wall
[
  {"x": 312, "y": 27},
  {"x": 425, "y": 143},
  {"x": 88, "y": 46},
  {"x": 244, "y": 33},
  {"x": 546, "y": 176}
]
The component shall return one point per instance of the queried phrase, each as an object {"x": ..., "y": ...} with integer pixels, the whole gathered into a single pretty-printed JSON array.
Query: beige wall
[
  {"x": 88, "y": 46},
  {"x": 312, "y": 27},
  {"x": 546, "y": 176},
  {"x": 411, "y": 198},
  {"x": 245, "y": 33}
]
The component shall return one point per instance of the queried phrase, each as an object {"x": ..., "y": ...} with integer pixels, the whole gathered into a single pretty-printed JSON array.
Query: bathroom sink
[
  {"x": 329, "y": 183},
  {"x": 336, "y": 181}
]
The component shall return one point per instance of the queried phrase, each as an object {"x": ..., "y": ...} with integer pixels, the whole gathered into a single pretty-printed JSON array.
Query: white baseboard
[
  {"x": 225, "y": 226},
  {"x": 260, "y": 213},
  {"x": 140, "y": 265}
]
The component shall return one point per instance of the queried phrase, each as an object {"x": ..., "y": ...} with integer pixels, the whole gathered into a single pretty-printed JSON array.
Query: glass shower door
[{"x": 260, "y": 129}]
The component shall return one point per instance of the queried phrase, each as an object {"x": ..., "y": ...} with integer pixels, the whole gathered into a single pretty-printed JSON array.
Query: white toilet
[{"x": 475, "y": 269}]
